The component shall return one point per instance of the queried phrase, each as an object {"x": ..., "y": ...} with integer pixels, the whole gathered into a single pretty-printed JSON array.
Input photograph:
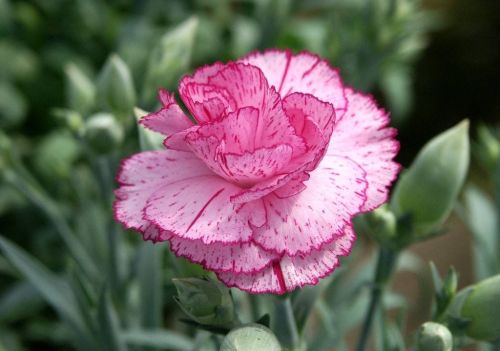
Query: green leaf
[
  {"x": 151, "y": 282},
  {"x": 19, "y": 300},
  {"x": 427, "y": 191},
  {"x": 170, "y": 58},
  {"x": 54, "y": 290},
  {"x": 163, "y": 339},
  {"x": 480, "y": 216},
  {"x": 109, "y": 328},
  {"x": 304, "y": 301}
]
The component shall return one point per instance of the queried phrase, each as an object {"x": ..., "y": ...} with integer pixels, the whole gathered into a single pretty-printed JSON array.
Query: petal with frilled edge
[
  {"x": 303, "y": 73},
  {"x": 221, "y": 257},
  {"x": 207, "y": 102},
  {"x": 288, "y": 273},
  {"x": 142, "y": 174},
  {"x": 299, "y": 224},
  {"x": 364, "y": 136},
  {"x": 198, "y": 207},
  {"x": 168, "y": 120}
]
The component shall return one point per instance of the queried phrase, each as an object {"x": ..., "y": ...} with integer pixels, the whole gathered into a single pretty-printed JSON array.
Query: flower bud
[
  {"x": 205, "y": 301},
  {"x": 80, "y": 90},
  {"x": 482, "y": 309},
  {"x": 427, "y": 191},
  {"x": 250, "y": 337},
  {"x": 488, "y": 148},
  {"x": 170, "y": 58},
  {"x": 103, "y": 133},
  {"x": 115, "y": 87},
  {"x": 380, "y": 224},
  {"x": 434, "y": 337}
]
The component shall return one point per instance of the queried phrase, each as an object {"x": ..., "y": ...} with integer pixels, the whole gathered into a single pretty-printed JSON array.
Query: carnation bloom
[{"x": 262, "y": 187}]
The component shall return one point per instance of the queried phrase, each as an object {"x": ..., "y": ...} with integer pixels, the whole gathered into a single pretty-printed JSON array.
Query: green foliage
[{"x": 72, "y": 73}]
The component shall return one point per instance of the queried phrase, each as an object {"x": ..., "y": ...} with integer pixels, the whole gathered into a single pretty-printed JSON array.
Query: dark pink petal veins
[
  {"x": 302, "y": 73},
  {"x": 315, "y": 216}
]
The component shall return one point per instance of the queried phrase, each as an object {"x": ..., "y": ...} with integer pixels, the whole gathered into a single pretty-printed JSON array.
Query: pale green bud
[
  {"x": 488, "y": 148},
  {"x": 103, "y": 133},
  {"x": 80, "y": 90},
  {"x": 115, "y": 87},
  {"x": 250, "y": 337},
  {"x": 482, "y": 309},
  {"x": 170, "y": 58},
  {"x": 434, "y": 337},
  {"x": 427, "y": 191},
  {"x": 205, "y": 301},
  {"x": 380, "y": 224}
]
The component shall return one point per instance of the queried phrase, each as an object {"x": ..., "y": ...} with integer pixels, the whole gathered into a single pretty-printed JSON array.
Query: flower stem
[
  {"x": 285, "y": 325},
  {"x": 385, "y": 266}
]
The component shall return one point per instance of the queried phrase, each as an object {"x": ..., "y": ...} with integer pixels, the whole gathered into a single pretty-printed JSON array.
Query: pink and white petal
[
  {"x": 207, "y": 148},
  {"x": 198, "y": 208},
  {"x": 165, "y": 97},
  {"x": 142, "y": 174},
  {"x": 221, "y": 257},
  {"x": 303, "y": 73},
  {"x": 237, "y": 130},
  {"x": 245, "y": 84},
  {"x": 290, "y": 273},
  {"x": 177, "y": 141},
  {"x": 293, "y": 187},
  {"x": 207, "y": 102},
  {"x": 301, "y": 107},
  {"x": 201, "y": 75},
  {"x": 364, "y": 136},
  {"x": 299, "y": 224},
  {"x": 253, "y": 167},
  {"x": 167, "y": 121}
]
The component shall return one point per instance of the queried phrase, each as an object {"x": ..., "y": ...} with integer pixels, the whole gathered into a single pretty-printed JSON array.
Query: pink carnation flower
[{"x": 262, "y": 188}]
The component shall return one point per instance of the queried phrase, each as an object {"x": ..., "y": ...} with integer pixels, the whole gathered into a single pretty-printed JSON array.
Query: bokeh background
[{"x": 431, "y": 63}]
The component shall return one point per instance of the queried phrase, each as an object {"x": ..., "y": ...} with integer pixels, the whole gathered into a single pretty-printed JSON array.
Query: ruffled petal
[
  {"x": 168, "y": 120},
  {"x": 303, "y": 73},
  {"x": 314, "y": 121},
  {"x": 364, "y": 136},
  {"x": 221, "y": 257},
  {"x": 292, "y": 272},
  {"x": 207, "y": 102},
  {"x": 299, "y": 224},
  {"x": 198, "y": 207},
  {"x": 141, "y": 175},
  {"x": 254, "y": 167}
]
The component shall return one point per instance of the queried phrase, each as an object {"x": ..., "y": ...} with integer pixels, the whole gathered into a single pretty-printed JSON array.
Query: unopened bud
[
  {"x": 380, "y": 224},
  {"x": 205, "y": 301},
  {"x": 103, "y": 133},
  {"x": 482, "y": 309},
  {"x": 250, "y": 337},
  {"x": 80, "y": 90},
  {"x": 115, "y": 87},
  {"x": 434, "y": 337},
  {"x": 428, "y": 190},
  {"x": 488, "y": 148}
]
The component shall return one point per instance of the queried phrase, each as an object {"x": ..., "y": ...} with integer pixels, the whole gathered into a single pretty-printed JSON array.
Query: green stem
[
  {"x": 285, "y": 325},
  {"x": 385, "y": 266}
]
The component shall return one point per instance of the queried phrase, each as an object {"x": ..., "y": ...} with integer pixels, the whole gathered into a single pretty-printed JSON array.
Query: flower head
[{"x": 261, "y": 189}]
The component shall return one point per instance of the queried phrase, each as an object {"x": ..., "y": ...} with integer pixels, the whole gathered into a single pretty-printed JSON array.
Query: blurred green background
[{"x": 430, "y": 63}]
